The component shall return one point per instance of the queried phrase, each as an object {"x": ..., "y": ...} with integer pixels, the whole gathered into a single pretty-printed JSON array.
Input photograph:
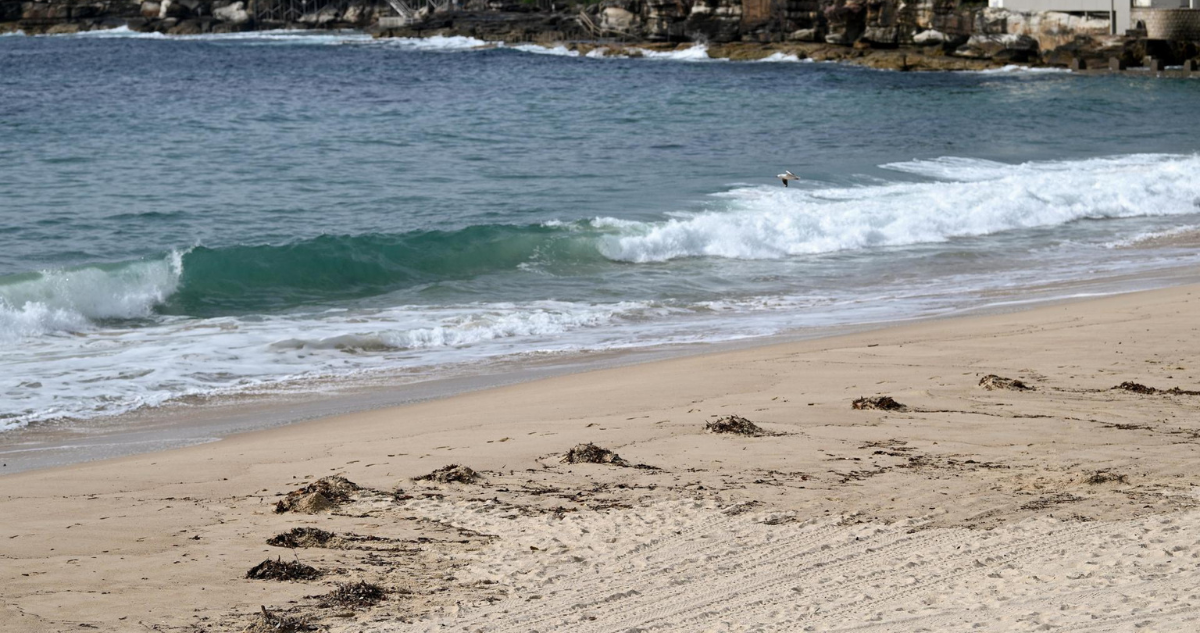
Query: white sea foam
[
  {"x": 275, "y": 36},
  {"x": 697, "y": 53},
  {"x": 1016, "y": 68},
  {"x": 1150, "y": 237},
  {"x": 980, "y": 198},
  {"x": 975, "y": 169},
  {"x": 457, "y": 326},
  {"x": 106, "y": 371},
  {"x": 70, "y": 300},
  {"x": 437, "y": 43},
  {"x": 118, "y": 32},
  {"x": 560, "y": 50},
  {"x": 783, "y": 57},
  {"x": 12, "y": 33},
  {"x": 284, "y": 36}
]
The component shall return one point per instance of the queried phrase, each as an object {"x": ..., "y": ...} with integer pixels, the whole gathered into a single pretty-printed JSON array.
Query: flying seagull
[{"x": 786, "y": 176}]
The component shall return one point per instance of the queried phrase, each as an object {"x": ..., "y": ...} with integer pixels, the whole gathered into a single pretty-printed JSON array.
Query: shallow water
[{"x": 226, "y": 214}]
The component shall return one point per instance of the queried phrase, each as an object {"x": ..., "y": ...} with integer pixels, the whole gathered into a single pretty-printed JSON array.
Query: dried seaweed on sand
[
  {"x": 992, "y": 382},
  {"x": 591, "y": 454},
  {"x": 324, "y": 494},
  {"x": 268, "y": 622},
  {"x": 452, "y": 474},
  {"x": 354, "y": 594},
  {"x": 882, "y": 403},
  {"x": 302, "y": 537},
  {"x": 278, "y": 569},
  {"x": 735, "y": 425}
]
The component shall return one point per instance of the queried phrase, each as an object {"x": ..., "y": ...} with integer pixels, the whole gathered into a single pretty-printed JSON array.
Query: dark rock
[
  {"x": 187, "y": 27},
  {"x": 1008, "y": 47}
]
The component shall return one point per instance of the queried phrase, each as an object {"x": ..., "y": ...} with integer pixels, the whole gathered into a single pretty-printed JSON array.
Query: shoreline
[
  {"x": 170, "y": 426},
  {"x": 1073, "y": 462},
  {"x": 899, "y": 58},
  {"x": 904, "y": 58}
]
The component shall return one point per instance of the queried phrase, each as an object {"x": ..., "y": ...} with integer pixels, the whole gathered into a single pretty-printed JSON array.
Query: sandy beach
[{"x": 1054, "y": 500}]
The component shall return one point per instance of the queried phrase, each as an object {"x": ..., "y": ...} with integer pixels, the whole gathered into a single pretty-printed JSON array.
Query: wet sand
[{"x": 1068, "y": 504}]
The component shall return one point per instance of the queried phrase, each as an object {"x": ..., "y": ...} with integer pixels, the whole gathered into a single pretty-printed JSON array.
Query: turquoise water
[{"x": 229, "y": 214}]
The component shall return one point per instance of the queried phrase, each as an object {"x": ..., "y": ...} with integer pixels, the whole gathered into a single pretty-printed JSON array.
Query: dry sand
[{"x": 1067, "y": 506}]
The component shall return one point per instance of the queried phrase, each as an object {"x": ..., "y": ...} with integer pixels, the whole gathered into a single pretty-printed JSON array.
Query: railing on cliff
[
  {"x": 410, "y": 11},
  {"x": 287, "y": 11},
  {"x": 597, "y": 31}
]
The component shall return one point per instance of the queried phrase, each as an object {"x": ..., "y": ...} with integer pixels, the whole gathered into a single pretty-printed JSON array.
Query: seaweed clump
[
  {"x": 735, "y": 425},
  {"x": 302, "y": 537},
  {"x": 282, "y": 570},
  {"x": 268, "y": 622},
  {"x": 992, "y": 382},
  {"x": 324, "y": 494},
  {"x": 1134, "y": 387},
  {"x": 1105, "y": 477},
  {"x": 354, "y": 594},
  {"x": 452, "y": 474},
  {"x": 591, "y": 454},
  {"x": 882, "y": 403}
]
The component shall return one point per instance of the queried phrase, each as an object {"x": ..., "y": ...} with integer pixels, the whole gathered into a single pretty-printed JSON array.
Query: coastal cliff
[
  {"x": 893, "y": 34},
  {"x": 185, "y": 17}
]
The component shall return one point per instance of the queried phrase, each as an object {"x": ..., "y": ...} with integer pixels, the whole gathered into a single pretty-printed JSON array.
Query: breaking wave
[
  {"x": 72, "y": 300},
  {"x": 967, "y": 198},
  {"x": 974, "y": 198}
]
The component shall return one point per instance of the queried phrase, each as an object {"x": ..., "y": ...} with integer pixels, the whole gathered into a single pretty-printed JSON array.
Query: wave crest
[
  {"x": 976, "y": 197},
  {"x": 71, "y": 300}
]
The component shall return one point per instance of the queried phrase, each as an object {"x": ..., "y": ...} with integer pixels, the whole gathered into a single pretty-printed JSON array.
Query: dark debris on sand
[
  {"x": 992, "y": 382},
  {"x": 323, "y": 494},
  {"x": 278, "y": 569},
  {"x": 1105, "y": 477},
  {"x": 735, "y": 425},
  {"x": 302, "y": 537},
  {"x": 452, "y": 474},
  {"x": 882, "y": 403},
  {"x": 1134, "y": 387},
  {"x": 591, "y": 454},
  {"x": 354, "y": 594},
  {"x": 268, "y": 622}
]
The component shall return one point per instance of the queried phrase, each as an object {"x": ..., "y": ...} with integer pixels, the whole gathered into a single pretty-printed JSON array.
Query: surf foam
[
  {"x": 438, "y": 43},
  {"x": 71, "y": 300},
  {"x": 975, "y": 197}
]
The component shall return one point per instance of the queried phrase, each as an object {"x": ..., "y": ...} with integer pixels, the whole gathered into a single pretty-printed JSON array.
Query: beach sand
[{"x": 1070, "y": 505}]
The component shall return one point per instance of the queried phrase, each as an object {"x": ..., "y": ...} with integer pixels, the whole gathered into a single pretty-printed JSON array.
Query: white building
[{"x": 1117, "y": 10}]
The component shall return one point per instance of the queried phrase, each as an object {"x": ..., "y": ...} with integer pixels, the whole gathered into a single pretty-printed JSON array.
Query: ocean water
[{"x": 183, "y": 217}]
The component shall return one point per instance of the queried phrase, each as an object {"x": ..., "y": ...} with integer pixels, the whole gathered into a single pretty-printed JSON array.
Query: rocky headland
[{"x": 891, "y": 34}]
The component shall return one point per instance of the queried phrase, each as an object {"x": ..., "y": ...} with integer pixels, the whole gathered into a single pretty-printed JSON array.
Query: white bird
[{"x": 786, "y": 176}]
